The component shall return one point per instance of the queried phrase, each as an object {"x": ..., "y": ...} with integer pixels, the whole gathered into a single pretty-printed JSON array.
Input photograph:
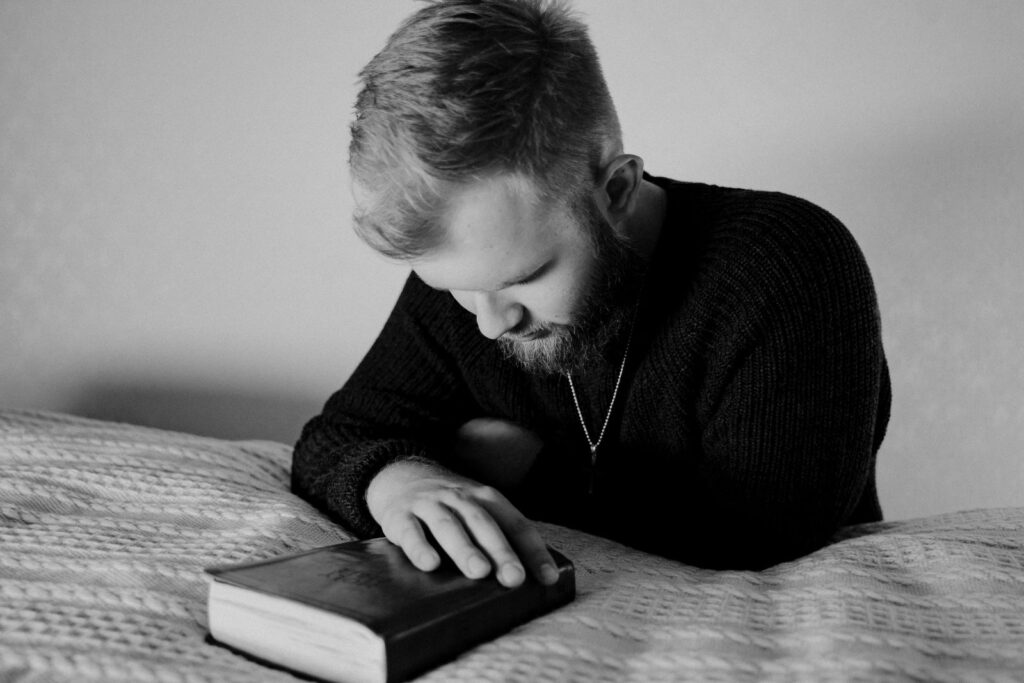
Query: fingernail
[
  {"x": 477, "y": 566},
  {"x": 548, "y": 574},
  {"x": 511, "y": 575},
  {"x": 428, "y": 561}
]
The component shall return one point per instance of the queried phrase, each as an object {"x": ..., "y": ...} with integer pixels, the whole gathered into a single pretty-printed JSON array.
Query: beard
[{"x": 605, "y": 311}]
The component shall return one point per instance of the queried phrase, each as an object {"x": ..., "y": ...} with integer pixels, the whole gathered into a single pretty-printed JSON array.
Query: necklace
[{"x": 611, "y": 407}]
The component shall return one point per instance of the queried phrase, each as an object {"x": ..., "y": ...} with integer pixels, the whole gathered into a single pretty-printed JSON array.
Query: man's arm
[
  {"x": 385, "y": 431},
  {"x": 790, "y": 439},
  {"x": 793, "y": 393}
]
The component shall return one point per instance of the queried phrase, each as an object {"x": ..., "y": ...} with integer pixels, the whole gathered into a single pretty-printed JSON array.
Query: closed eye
[
  {"x": 528, "y": 278},
  {"x": 535, "y": 274}
]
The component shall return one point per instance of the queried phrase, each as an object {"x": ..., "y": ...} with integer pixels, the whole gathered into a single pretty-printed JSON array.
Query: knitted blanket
[{"x": 105, "y": 530}]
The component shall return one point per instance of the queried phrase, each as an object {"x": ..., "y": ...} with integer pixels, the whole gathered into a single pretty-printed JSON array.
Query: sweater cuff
[{"x": 347, "y": 497}]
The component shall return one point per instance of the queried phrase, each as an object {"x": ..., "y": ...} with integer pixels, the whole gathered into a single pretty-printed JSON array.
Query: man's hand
[{"x": 473, "y": 523}]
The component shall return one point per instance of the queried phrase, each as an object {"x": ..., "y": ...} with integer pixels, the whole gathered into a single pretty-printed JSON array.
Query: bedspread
[{"x": 105, "y": 529}]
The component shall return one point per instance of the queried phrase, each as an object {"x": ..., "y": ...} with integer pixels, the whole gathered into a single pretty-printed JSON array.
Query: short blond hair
[{"x": 468, "y": 88}]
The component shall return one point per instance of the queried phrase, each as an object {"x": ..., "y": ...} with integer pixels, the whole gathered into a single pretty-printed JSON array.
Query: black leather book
[{"x": 360, "y": 612}]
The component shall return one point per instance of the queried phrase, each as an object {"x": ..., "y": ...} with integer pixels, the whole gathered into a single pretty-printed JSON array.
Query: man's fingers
[
  {"x": 527, "y": 541},
  {"x": 450, "y": 533},
  {"x": 479, "y": 521},
  {"x": 407, "y": 533},
  {"x": 475, "y": 525}
]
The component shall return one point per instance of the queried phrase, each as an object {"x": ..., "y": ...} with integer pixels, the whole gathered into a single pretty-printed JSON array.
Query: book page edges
[{"x": 294, "y": 635}]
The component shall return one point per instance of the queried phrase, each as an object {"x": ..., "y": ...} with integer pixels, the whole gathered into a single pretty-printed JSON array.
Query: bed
[{"x": 105, "y": 529}]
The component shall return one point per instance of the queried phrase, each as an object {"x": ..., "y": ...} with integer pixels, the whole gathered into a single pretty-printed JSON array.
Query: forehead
[
  {"x": 495, "y": 209},
  {"x": 496, "y": 229}
]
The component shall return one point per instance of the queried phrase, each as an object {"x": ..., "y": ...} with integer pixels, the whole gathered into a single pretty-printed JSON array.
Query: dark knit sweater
[{"x": 745, "y": 431}]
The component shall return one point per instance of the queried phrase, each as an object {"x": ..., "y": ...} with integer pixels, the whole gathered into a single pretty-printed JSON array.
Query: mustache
[
  {"x": 525, "y": 337},
  {"x": 530, "y": 333},
  {"x": 540, "y": 332}
]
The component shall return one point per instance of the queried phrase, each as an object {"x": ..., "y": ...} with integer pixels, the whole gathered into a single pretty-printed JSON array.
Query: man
[{"x": 693, "y": 370}]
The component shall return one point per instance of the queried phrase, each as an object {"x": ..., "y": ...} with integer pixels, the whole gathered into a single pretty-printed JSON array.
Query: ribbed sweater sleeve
[{"x": 401, "y": 401}]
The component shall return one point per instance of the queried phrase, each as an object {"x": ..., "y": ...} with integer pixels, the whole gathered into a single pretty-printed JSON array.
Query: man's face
[{"x": 534, "y": 274}]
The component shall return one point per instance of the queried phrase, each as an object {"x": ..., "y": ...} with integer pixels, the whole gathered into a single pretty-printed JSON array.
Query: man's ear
[{"x": 619, "y": 187}]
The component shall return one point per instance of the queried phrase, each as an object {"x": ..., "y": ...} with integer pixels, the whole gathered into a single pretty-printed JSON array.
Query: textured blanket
[{"x": 105, "y": 530}]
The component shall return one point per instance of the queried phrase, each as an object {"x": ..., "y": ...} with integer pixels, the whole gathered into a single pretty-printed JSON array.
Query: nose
[{"x": 495, "y": 314}]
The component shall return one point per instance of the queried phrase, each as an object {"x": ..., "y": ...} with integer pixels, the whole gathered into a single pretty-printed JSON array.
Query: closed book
[{"x": 360, "y": 612}]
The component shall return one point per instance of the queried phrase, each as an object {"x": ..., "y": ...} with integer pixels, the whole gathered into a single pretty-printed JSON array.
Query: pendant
[
  {"x": 592, "y": 475},
  {"x": 592, "y": 484}
]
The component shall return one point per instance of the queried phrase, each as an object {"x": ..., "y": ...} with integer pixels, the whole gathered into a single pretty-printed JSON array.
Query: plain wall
[{"x": 175, "y": 247}]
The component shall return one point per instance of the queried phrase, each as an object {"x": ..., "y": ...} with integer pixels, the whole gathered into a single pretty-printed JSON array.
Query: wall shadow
[{"x": 206, "y": 410}]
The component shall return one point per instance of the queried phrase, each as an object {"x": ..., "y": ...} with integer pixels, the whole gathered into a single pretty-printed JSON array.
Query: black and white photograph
[{"x": 511, "y": 340}]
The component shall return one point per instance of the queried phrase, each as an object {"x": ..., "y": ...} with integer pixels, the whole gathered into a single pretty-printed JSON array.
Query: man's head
[
  {"x": 486, "y": 153},
  {"x": 463, "y": 90},
  {"x": 552, "y": 280}
]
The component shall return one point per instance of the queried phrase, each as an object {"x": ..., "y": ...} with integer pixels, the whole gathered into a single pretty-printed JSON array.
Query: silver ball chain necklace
[{"x": 611, "y": 407}]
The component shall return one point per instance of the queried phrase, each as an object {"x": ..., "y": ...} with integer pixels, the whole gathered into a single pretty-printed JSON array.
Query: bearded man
[{"x": 693, "y": 370}]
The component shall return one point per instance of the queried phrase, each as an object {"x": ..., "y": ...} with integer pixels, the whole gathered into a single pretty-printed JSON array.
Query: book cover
[{"x": 360, "y": 611}]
